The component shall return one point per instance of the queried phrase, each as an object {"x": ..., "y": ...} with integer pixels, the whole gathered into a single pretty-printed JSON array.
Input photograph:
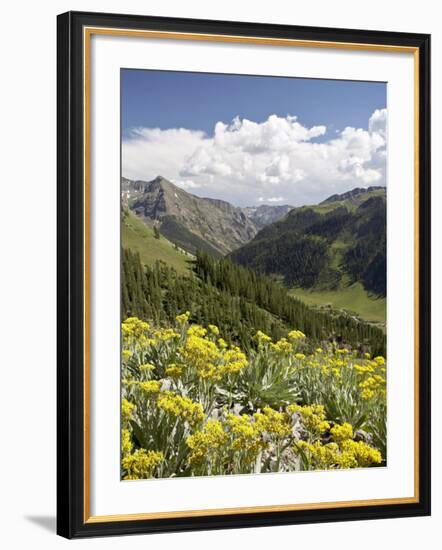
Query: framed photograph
[{"x": 243, "y": 274}]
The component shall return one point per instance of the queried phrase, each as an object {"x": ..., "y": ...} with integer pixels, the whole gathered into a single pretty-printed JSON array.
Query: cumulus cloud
[
  {"x": 246, "y": 162},
  {"x": 270, "y": 199}
]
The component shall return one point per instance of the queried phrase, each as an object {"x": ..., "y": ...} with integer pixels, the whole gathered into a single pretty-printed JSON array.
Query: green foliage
[
  {"x": 318, "y": 247},
  {"x": 237, "y": 300},
  {"x": 193, "y": 405},
  {"x": 366, "y": 261}
]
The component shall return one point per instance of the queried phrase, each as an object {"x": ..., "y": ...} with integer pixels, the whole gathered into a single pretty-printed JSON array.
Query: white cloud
[
  {"x": 186, "y": 184},
  {"x": 245, "y": 160},
  {"x": 271, "y": 199},
  {"x": 378, "y": 122}
]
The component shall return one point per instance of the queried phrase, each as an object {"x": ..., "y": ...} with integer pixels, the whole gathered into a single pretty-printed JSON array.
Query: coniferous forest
[{"x": 237, "y": 300}]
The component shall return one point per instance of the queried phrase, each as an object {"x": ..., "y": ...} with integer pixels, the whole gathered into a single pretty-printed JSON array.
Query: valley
[{"x": 330, "y": 257}]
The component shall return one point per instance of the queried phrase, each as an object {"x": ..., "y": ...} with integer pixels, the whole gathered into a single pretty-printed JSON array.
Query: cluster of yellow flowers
[
  {"x": 206, "y": 443},
  {"x": 312, "y": 416},
  {"x": 126, "y": 442},
  {"x": 193, "y": 387},
  {"x": 127, "y": 409},
  {"x": 273, "y": 423},
  {"x": 183, "y": 318},
  {"x": 246, "y": 437},
  {"x": 175, "y": 370},
  {"x": 141, "y": 464},
  {"x": 150, "y": 386},
  {"x": 135, "y": 332},
  {"x": 182, "y": 407},
  {"x": 342, "y": 452},
  {"x": 282, "y": 346},
  {"x": 165, "y": 334},
  {"x": 242, "y": 435},
  {"x": 373, "y": 380},
  {"x": 262, "y": 338},
  {"x": 202, "y": 354},
  {"x": 211, "y": 359},
  {"x": 371, "y": 386},
  {"x": 296, "y": 335},
  {"x": 341, "y": 432}
]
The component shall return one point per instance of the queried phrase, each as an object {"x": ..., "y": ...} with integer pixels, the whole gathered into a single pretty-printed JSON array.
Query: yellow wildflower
[
  {"x": 273, "y": 422},
  {"x": 182, "y": 407},
  {"x": 262, "y": 338},
  {"x": 312, "y": 416},
  {"x": 206, "y": 443},
  {"x": 141, "y": 464},
  {"x": 246, "y": 436},
  {"x": 282, "y": 346},
  {"x": 363, "y": 453},
  {"x": 196, "y": 330},
  {"x": 183, "y": 318},
  {"x": 347, "y": 454},
  {"x": 342, "y": 432},
  {"x": 214, "y": 329},
  {"x": 147, "y": 367},
  {"x": 134, "y": 331},
  {"x": 203, "y": 355},
  {"x": 234, "y": 360},
  {"x": 222, "y": 344},
  {"x": 127, "y": 409},
  {"x": 166, "y": 334},
  {"x": 126, "y": 442},
  {"x": 296, "y": 335},
  {"x": 175, "y": 370},
  {"x": 150, "y": 386}
]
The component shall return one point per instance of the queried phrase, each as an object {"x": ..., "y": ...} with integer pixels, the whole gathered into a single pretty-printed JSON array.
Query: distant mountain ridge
[
  {"x": 192, "y": 222},
  {"x": 356, "y": 195},
  {"x": 264, "y": 214}
]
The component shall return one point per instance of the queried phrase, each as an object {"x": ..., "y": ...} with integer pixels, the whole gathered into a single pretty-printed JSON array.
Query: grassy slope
[
  {"x": 140, "y": 238},
  {"x": 350, "y": 204},
  {"x": 353, "y": 298}
]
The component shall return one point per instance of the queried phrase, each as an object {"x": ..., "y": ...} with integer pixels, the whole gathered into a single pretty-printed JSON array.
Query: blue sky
[
  {"x": 168, "y": 124},
  {"x": 169, "y": 99}
]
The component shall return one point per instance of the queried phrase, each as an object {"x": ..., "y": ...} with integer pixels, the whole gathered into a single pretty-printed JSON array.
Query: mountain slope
[
  {"x": 194, "y": 222},
  {"x": 340, "y": 241},
  {"x": 138, "y": 237}
]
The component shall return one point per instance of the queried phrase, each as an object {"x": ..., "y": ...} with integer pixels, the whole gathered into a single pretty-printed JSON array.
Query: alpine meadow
[{"x": 253, "y": 274}]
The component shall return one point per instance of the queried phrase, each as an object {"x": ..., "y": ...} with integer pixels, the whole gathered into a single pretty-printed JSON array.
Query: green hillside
[
  {"x": 238, "y": 301},
  {"x": 353, "y": 299},
  {"x": 140, "y": 238},
  {"x": 327, "y": 246}
]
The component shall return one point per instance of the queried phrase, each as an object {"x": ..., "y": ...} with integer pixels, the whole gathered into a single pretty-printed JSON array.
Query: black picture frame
[{"x": 71, "y": 519}]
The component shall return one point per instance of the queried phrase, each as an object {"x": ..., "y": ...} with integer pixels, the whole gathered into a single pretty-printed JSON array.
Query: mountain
[
  {"x": 140, "y": 238},
  {"x": 341, "y": 240},
  {"x": 356, "y": 196},
  {"x": 193, "y": 222},
  {"x": 264, "y": 214}
]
